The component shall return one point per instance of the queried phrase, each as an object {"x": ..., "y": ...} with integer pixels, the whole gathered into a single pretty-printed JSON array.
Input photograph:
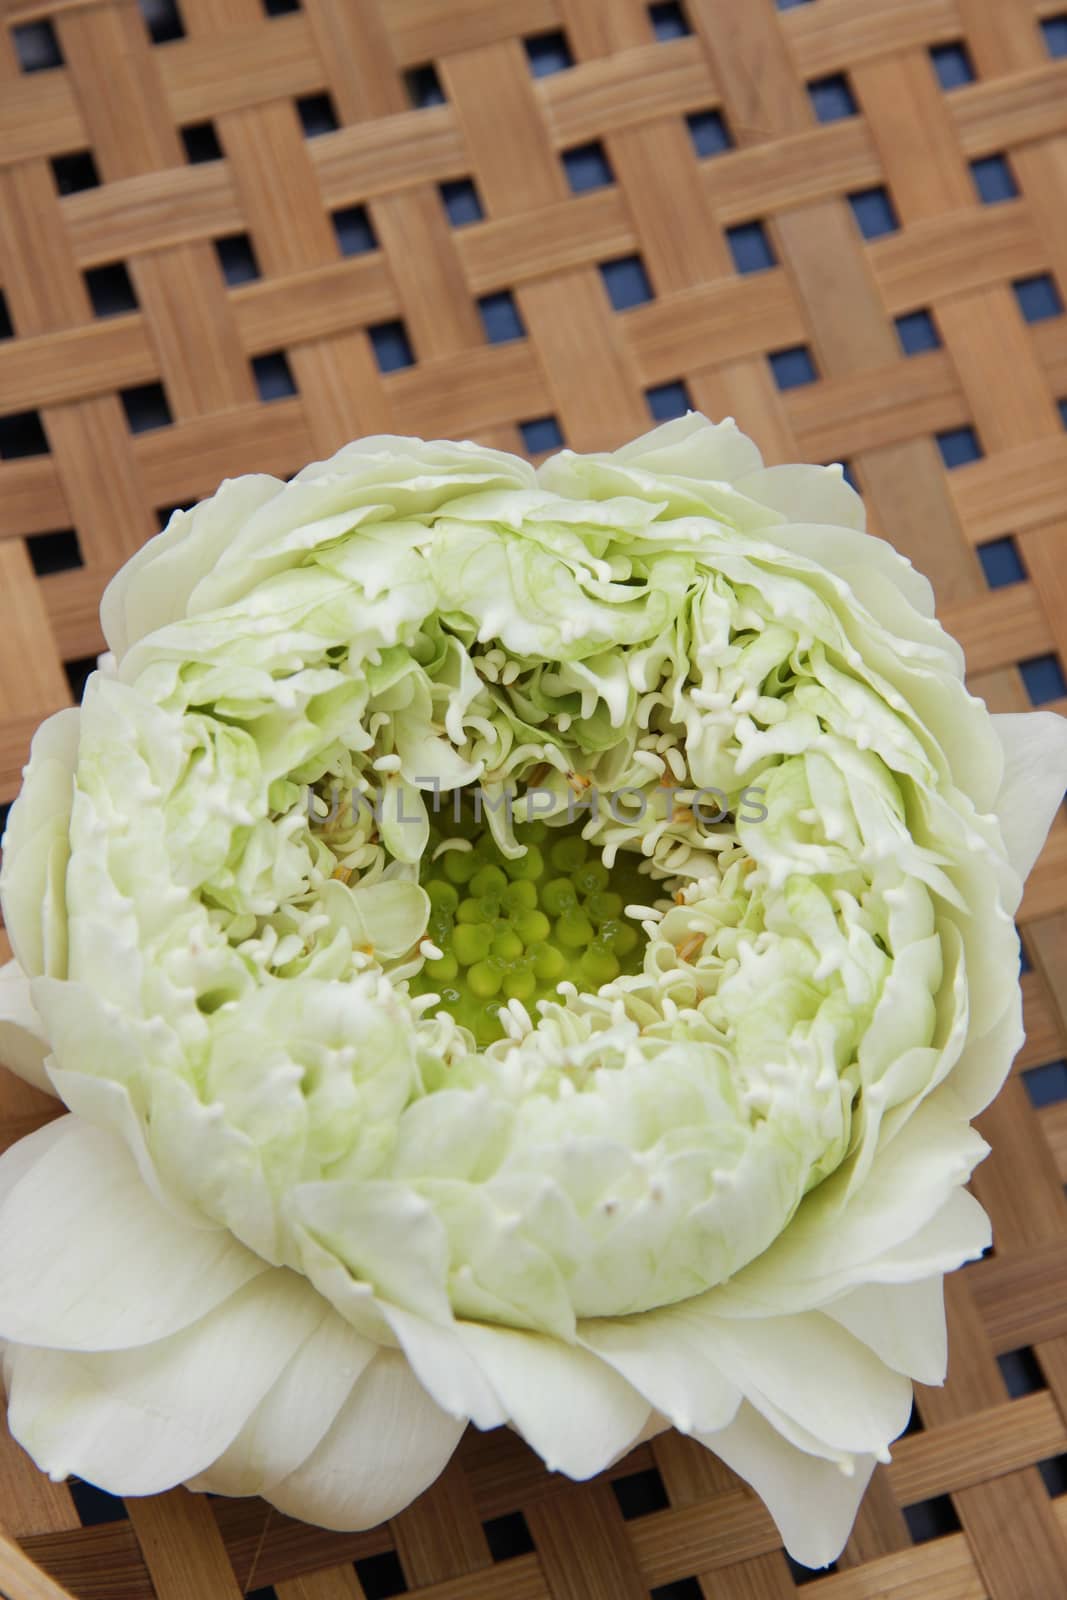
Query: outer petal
[
  {"x": 90, "y": 1261},
  {"x": 809, "y": 1369},
  {"x": 296, "y": 1415},
  {"x": 23, "y": 1045},
  {"x": 1035, "y": 777},
  {"x": 575, "y": 1412},
  {"x": 388, "y": 1444},
  {"x": 141, "y": 1421},
  {"x": 812, "y": 1501},
  {"x": 36, "y": 848},
  {"x": 903, "y": 1323},
  {"x": 445, "y": 1368},
  {"x": 668, "y": 1357},
  {"x": 830, "y": 1247}
]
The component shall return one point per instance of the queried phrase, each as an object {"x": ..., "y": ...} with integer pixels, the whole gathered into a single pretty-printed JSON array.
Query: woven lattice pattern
[{"x": 236, "y": 233}]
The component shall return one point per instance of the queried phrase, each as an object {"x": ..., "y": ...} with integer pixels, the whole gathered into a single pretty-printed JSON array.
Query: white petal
[
  {"x": 668, "y": 1358},
  {"x": 568, "y": 1405},
  {"x": 388, "y": 1444},
  {"x": 811, "y": 1370},
  {"x": 107, "y": 1105},
  {"x": 36, "y": 848},
  {"x": 89, "y": 1260},
  {"x": 296, "y": 1415},
  {"x": 20, "y": 1158},
  {"x": 1035, "y": 777},
  {"x": 903, "y": 1323},
  {"x": 141, "y": 1421},
  {"x": 812, "y": 1501},
  {"x": 829, "y": 1248},
  {"x": 23, "y": 1045},
  {"x": 445, "y": 1368},
  {"x": 822, "y": 496}
]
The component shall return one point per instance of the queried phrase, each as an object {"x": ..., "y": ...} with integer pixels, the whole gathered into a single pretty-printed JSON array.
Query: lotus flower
[{"x": 515, "y": 947}]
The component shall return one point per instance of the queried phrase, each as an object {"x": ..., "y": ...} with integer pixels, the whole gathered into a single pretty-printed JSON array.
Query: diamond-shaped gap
[
  {"x": 201, "y": 143},
  {"x": 54, "y": 552},
  {"x": 317, "y": 115},
  {"x": 459, "y": 197},
  {"x": 540, "y": 434},
  {"x": 669, "y": 21},
  {"x": 355, "y": 231},
  {"x": 640, "y": 1493},
  {"x": 790, "y": 5},
  {"x": 7, "y": 330},
  {"x": 270, "y": 1593},
  {"x": 548, "y": 53},
  {"x": 931, "y": 1519},
  {"x": 164, "y": 513},
  {"x": 1025, "y": 964},
  {"x": 273, "y": 378},
  {"x": 750, "y": 247},
  {"x": 110, "y": 290},
  {"x": 1001, "y": 562},
  {"x": 994, "y": 180},
  {"x": 21, "y": 434},
  {"x": 953, "y": 65},
  {"x": 500, "y": 317},
  {"x": 915, "y": 1421},
  {"x": 917, "y": 332},
  {"x": 587, "y": 167},
  {"x": 709, "y": 133},
  {"x": 36, "y": 46},
  {"x": 237, "y": 258},
  {"x": 381, "y": 1576},
  {"x": 391, "y": 345},
  {"x": 95, "y": 1506},
  {"x": 1063, "y": 411},
  {"x": 5, "y": 812},
  {"x": 424, "y": 87},
  {"x": 802, "y": 1575},
  {"x": 680, "y": 1589},
  {"x": 1043, "y": 679},
  {"x": 508, "y": 1536},
  {"x": 1038, "y": 297},
  {"x": 874, "y": 213},
  {"x": 1054, "y": 31},
  {"x": 77, "y": 677},
  {"x": 280, "y": 8},
  {"x": 793, "y": 368},
  {"x": 1046, "y": 1085},
  {"x": 146, "y": 407},
  {"x": 163, "y": 20},
  {"x": 668, "y": 400},
  {"x": 1053, "y": 1472},
  {"x": 959, "y": 447},
  {"x": 75, "y": 172},
  {"x": 832, "y": 98},
  {"x": 626, "y": 282},
  {"x": 1021, "y": 1372}
]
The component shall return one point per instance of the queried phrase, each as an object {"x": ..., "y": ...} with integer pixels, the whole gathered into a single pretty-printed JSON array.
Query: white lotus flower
[{"x": 347, "y": 1165}]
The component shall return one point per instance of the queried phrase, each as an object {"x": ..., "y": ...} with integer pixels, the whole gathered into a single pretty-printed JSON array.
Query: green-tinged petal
[
  {"x": 1035, "y": 778},
  {"x": 902, "y": 1323}
]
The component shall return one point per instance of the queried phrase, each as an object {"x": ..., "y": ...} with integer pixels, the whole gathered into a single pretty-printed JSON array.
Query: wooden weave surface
[{"x": 388, "y": 180}]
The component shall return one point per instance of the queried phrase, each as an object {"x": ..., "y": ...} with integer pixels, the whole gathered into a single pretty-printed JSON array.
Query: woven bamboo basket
[{"x": 237, "y": 233}]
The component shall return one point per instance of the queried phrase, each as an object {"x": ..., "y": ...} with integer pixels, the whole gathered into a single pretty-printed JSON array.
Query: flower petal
[
  {"x": 296, "y": 1415},
  {"x": 809, "y": 1369},
  {"x": 387, "y": 1445},
  {"x": 141, "y": 1421},
  {"x": 1035, "y": 777},
  {"x": 903, "y": 1323},
  {"x": 813, "y": 1502},
  {"x": 89, "y": 1260},
  {"x": 668, "y": 1358},
  {"x": 445, "y": 1368},
  {"x": 23, "y": 1044},
  {"x": 568, "y": 1405},
  {"x": 20, "y": 1158}
]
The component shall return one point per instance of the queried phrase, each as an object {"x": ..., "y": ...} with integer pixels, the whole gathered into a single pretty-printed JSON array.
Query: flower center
[{"x": 514, "y": 929}]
